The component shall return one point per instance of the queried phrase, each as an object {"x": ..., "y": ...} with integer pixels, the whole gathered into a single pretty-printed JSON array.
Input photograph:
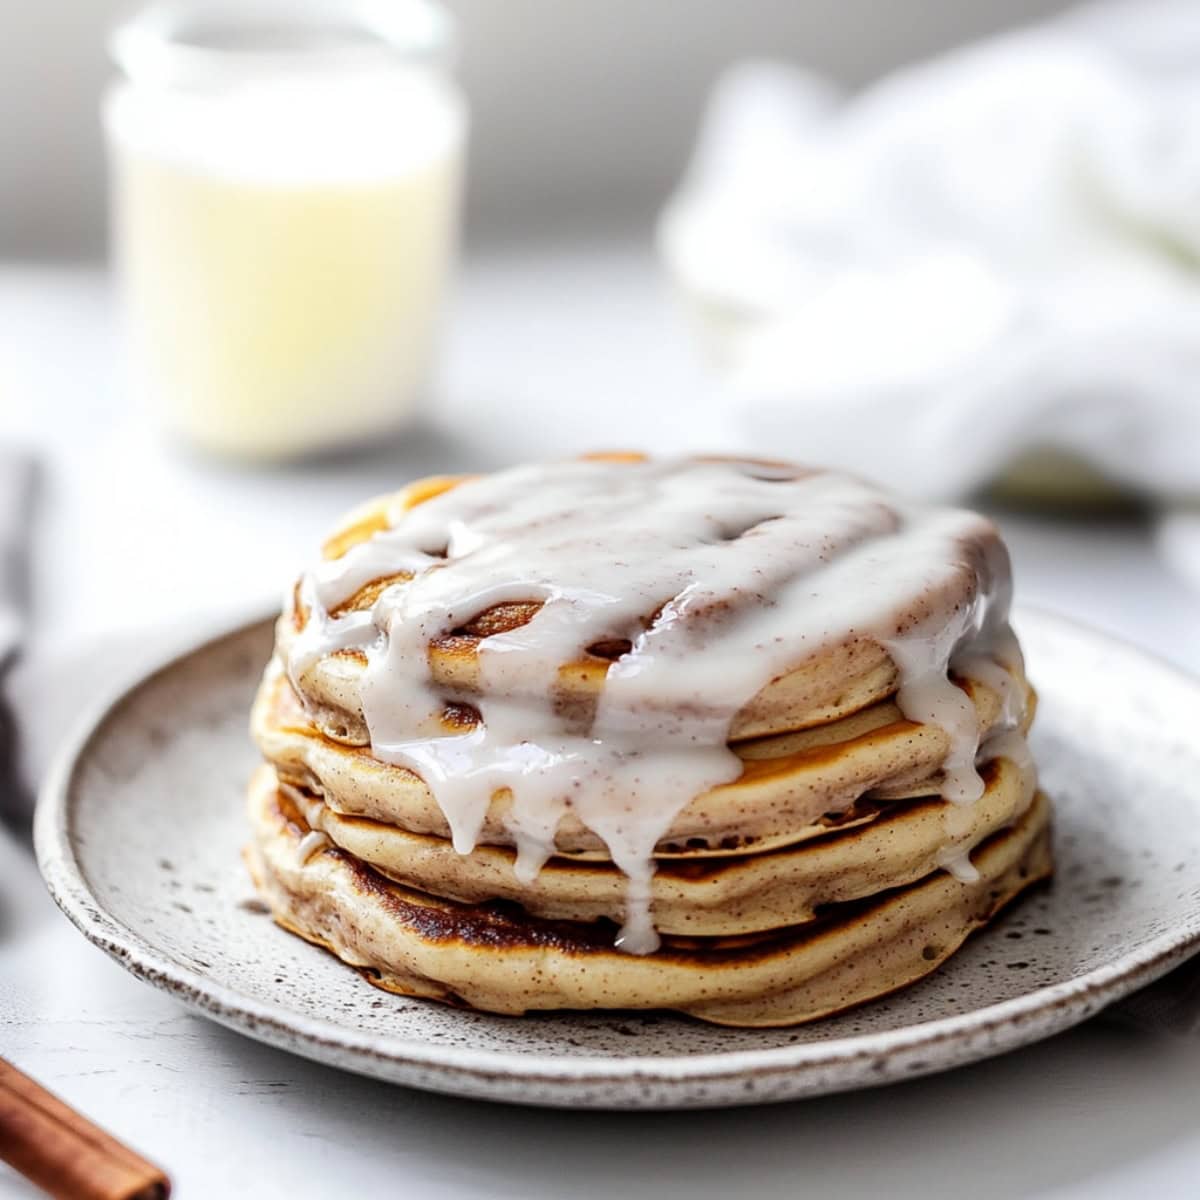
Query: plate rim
[{"x": 1004, "y": 1025}]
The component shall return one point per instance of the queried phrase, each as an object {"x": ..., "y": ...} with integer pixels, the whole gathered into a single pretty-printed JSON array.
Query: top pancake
[{"x": 837, "y": 678}]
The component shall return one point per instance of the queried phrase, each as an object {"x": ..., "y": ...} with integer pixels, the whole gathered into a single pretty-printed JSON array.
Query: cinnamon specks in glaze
[{"x": 692, "y": 584}]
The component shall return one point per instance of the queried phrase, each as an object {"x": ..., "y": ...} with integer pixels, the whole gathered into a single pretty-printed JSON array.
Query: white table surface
[{"x": 552, "y": 349}]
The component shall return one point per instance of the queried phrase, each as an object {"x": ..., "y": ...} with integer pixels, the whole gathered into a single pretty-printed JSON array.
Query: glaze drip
[
  {"x": 720, "y": 575},
  {"x": 312, "y": 842}
]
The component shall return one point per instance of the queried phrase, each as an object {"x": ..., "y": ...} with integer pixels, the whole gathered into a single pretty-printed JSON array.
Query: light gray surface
[
  {"x": 583, "y": 112},
  {"x": 1100, "y": 1112}
]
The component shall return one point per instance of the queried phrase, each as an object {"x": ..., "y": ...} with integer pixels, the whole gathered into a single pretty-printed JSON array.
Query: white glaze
[
  {"x": 309, "y": 844},
  {"x": 753, "y": 570},
  {"x": 1009, "y": 742}
]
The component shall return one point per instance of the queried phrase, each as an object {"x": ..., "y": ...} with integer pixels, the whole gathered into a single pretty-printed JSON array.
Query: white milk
[{"x": 283, "y": 239}]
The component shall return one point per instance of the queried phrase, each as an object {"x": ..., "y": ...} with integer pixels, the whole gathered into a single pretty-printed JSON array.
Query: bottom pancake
[{"x": 497, "y": 958}]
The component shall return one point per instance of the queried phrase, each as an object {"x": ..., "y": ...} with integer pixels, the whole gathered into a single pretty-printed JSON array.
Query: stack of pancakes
[{"x": 828, "y": 872}]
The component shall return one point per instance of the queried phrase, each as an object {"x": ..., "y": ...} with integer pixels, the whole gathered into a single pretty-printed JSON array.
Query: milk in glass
[{"x": 285, "y": 205}]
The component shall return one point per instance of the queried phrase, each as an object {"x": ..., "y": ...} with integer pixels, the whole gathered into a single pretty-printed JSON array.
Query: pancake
[
  {"x": 741, "y": 739},
  {"x": 788, "y": 788},
  {"x": 694, "y": 895},
  {"x": 499, "y": 959},
  {"x": 844, "y": 677}
]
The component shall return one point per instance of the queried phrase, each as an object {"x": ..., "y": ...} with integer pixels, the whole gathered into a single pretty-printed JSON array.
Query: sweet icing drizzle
[
  {"x": 309, "y": 844},
  {"x": 721, "y": 575}
]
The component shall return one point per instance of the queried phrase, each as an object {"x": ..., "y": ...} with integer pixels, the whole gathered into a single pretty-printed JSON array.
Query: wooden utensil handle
[{"x": 64, "y": 1153}]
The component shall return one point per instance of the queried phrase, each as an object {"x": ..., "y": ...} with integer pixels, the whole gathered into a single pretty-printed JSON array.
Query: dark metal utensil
[{"x": 18, "y": 488}]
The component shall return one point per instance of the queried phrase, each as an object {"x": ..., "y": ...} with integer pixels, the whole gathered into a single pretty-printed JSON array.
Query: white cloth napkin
[{"x": 994, "y": 251}]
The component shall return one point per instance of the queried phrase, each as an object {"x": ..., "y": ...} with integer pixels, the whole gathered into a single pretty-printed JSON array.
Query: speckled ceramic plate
[{"x": 139, "y": 831}]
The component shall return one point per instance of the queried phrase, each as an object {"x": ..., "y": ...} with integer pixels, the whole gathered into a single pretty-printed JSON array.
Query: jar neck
[{"x": 198, "y": 45}]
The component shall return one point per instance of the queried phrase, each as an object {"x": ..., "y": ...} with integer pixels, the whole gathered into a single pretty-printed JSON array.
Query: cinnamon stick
[{"x": 64, "y": 1153}]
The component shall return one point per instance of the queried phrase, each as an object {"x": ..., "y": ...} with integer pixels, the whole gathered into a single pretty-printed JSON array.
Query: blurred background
[
  {"x": 950, "y": 245},
  {"x": 583, "y": 113}
]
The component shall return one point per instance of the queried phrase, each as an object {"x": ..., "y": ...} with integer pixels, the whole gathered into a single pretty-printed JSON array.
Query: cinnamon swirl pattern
[{"x": 737, "y": 738}]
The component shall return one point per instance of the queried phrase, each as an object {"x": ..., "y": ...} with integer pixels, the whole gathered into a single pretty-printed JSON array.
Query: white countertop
[{"x": 552, "y": 350}]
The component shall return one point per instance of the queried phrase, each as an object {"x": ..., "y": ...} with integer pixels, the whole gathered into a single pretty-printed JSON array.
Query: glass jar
[{"x": 285, "y": 203}]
